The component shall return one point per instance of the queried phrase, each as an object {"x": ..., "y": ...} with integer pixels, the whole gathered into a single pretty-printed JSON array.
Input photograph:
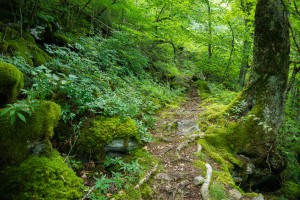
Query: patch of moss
[
  {"x": 291, "y": 190},
  {"x": 19, "y": 47},
  {"x": 11, "y": 34},
  {"x": 103, "y": 130},
  {"x": 39, "y": 57},
  {"x": 217, "y": 191},
  {"x": 203, "y": 89},
  {"x": 130, "y": 193},
  {"x": 61, "y": 39},
  {"x": 13, "y": 43},
  {"x": 11, "y": 81},
  {"x": 15, "y": 139},
  {"x": 29, "y": 37},
  {"x": 3, "y": 47},
  {"x": 40, "y": 177}
]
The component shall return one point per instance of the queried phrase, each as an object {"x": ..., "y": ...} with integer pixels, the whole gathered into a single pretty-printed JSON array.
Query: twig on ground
[
  {"x": 149, "y": 173},
  {"x": 89, "y": 192}
]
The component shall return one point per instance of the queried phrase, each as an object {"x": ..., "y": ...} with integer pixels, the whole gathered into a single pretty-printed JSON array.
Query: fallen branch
[
  {"x": 149, "y": 173},
  {"x": 205, "y": 186},
  {"x": 89, "y": 192}
]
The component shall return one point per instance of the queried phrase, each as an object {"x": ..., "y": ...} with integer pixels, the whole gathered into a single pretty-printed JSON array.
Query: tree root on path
[
  {"x": 205, "y": 186},
  {"x": 146, "y": 178}
]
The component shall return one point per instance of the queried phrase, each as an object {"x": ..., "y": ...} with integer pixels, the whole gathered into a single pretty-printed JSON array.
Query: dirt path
[{"x": 174, "y": 146}]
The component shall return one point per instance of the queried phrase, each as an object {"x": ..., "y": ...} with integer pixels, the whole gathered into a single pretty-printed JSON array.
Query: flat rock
[
  {"x": 185, "y": 127},
  {"x": 118, "y": 146}
]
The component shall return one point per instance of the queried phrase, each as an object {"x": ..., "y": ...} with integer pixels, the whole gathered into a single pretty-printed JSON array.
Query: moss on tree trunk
[{"x": 261, "y": 104}]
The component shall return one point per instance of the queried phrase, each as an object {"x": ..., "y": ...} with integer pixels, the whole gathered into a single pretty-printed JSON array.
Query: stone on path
[
  {"x": 235, "y": 194},
  {"x": 199, "y": 180},
  {"x": 118, "y": 146},
  {"x": 187, "y": 126}
]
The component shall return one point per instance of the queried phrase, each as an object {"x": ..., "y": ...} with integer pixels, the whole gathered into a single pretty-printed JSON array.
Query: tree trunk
[
  {"x": 209, "y": 29},
  {"x": 261, "y": 104},
  {"x": 231, "y": 52},
  {"x": 246, "y": 8},
  {"x": 245, "y": 62}
]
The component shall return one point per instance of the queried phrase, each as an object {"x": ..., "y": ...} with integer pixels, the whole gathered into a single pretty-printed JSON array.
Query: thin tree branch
[{"x": 87, "y": 3}]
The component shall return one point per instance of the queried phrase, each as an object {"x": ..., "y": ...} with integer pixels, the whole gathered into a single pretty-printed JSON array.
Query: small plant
[
  {"x": 19, "y": 110},
  {"x": 107, "y": 185}
]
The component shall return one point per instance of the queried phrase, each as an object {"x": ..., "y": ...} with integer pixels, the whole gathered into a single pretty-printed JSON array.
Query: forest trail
[{"x": 174, "y": 145}]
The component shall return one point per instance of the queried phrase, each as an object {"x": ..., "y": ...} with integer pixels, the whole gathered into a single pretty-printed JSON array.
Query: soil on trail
[{"x": 175, "y": 146}]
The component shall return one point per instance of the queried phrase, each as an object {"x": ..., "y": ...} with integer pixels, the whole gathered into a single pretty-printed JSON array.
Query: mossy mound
[
  {"x": 291, "y": 190},
  {"x": 61, "y": 39},
  {"x": 15, "y": 139},
  {"x": 103, "y": 130},
  {"x": 11, "y": 81},
  {"x": 13, "y": 43},
  {"x": 40, "y": 177}
]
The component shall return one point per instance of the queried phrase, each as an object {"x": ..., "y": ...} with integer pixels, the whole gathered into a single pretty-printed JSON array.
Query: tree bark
[
  {"x": 246, "y": 8},
  {"x": 209, "y": 29},
  {"x": 261, "y": 103}
]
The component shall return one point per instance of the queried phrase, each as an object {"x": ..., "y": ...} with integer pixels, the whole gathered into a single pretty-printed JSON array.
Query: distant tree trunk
[
  {"x": 245, "y": 63},
  {"x": 246, "y": 8},
  {"x": 209, "y": 29},
  {"x": 231, "y": 52},
  {"x": 261, "y": 103}
]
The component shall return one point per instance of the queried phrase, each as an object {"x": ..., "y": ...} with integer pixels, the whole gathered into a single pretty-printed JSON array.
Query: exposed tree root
[
  {"x": 205, "y": 186},
  {"x": 148, "y": 175}
]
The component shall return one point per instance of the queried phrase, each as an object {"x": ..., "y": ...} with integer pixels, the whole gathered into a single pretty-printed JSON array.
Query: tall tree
[{"x": 261, "y": 103}]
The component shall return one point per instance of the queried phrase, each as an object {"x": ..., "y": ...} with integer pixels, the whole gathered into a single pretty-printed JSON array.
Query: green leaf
[
  {"x": 4, "y": 111},
  {"x": 12, "y": 119},
  {"x": 21, "y": 117},
  {"x": 12, "y": 113}
]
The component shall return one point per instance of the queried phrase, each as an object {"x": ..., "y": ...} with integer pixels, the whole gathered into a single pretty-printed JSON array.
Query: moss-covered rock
[
  {"x": 15, "y": 139},
  {"x": 103, "y": 130},
  {"x": 13, "y": 43},
  {"x": 60, "y": 39},
  {"x": 291, "y": 190},
  {"x": 40, "y": 177},
  {"x": 11, "y": 81}
]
